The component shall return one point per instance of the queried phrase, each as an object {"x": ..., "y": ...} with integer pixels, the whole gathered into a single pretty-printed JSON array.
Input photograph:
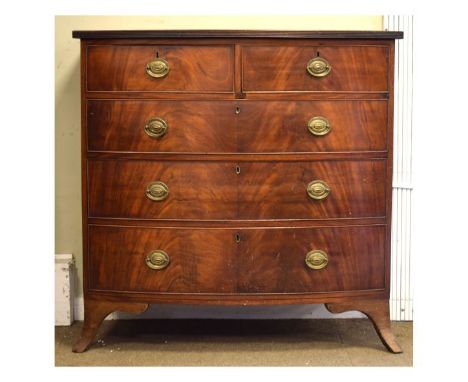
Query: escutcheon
[
  {"x": 318, "y": 189},
  {"x": 157, "y": 191},
  {"x": 318, "y": 67},
  {"x": 316, "y": 259},
  {"x": 157, "y": 259},
  {"x": 158, "y": 68}
]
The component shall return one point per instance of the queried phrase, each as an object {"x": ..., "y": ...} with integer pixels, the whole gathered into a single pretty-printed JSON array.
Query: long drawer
[
  {"x": 236, "y": 126},
  {"x": 315, "y": 68},
  {"x": 229, "y": 190},
  {"x": 160, "y": 68},
  {"x": 257, "y": 260}
]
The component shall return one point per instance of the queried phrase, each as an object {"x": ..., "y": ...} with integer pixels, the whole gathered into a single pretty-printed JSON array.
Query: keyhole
[
  {"x": 157, "y": 54},
  {"x": 318, "y": 53},
  {"x": 237, "y": 110},
  {"x": 237, "y": 169},
  {"x": 237, "y": 237}
]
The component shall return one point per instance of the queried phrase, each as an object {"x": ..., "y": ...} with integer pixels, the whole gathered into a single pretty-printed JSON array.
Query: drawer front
[
  {"x": 261, "y": 190},
  {"x": 211, "y": 260},
  {"x": 214, "y": 126},
  {"x": 284, "y": 68},
  {"x": 273, "y": 260},
  {"x": 278, "y": 190},
  {"x": 190, "y": 68},
  {"x": 161, "y": 126},
  {"x": 312, "y": 126},
  {"x": 196, "y": 190},
  {"x": 200, "y": 260}
]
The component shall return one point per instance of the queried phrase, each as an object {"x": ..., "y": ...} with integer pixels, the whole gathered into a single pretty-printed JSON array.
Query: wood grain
[
  {"x": 213, "y": 190},
  {"x": 283, "y": 68},
  {"x": 281, "y": 126},
  {"x": 192, "y": 69},
  {"x": 214, "y": 127},
  {"x": 201, "y": 260},
  {"x": 212, "y": 261},
  {"x": 193, "y": 126},
  {"x": 273, "y": 260},
  {"x": 197, "y": 190},
  {"x": 277, "y": 190}
]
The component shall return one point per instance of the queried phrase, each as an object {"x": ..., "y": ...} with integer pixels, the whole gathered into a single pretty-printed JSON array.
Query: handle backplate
[
  {"x": 157, "y": 191},
  {"x": 156, "y": 127},
  {"x": 319, "y": 126},
  {"x": 316, "y": 259},
  {"x": 318, "y": 67},
  {"x": 157, "y": 68},
  {"x": 318, "y": 189},
  {"x": 157, "y": 259}
]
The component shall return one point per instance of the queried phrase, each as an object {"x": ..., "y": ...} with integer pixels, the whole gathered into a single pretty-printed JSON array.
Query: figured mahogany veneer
[
  {"x": 355, "y": 68},
  {"x": 192, "y": 69},
  {"x": 236, "y": 260},
  {"x": 259, "y": 126},
  {"x": 215, "y": 191},
  {"x": 236, "y": 155}
]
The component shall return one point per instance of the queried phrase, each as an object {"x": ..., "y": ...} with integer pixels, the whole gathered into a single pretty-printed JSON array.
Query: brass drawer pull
[
  {"x": 157, "y": 191},
  {"x": 319, "y": 126},
  {"x": 318, "y": 67},
  {"x": 156, "y": 127},
  {"x": 316, "y": 259},
  {"x": 318, "y": 189},
  {"x": 158, "y": 68},
  {"x": 157, "y": 259}
]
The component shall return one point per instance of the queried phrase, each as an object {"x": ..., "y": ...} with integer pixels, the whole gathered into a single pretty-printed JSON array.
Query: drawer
[
  {"x": 216, "y": 260},
  {"x": 214, "y": 126},
  {"x": 285, "y": 68},
  {"x": 312, "y": 126},
  {"x": 214, "y": 190},
  {"x": 161, "y": 126},
  {"x": 195, "y": 190},
  {"x": 180, "y": 68},
  {"x": 200, "y": 260}
]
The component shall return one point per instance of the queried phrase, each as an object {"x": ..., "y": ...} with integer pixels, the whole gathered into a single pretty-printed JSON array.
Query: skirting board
[{"x": 172, "y": 311}]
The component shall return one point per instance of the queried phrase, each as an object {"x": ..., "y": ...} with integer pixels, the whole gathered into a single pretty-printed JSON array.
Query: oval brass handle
[
  {"x": 316, "y": 259},
  {"x": 319, "y": 126},
  {"x": 157, "y": 259},
  {"x": 157, "y": 68},
  {"x": 156, "y": 127},
  {"x": 318, "y": 189},
  {"x": 318, "y": 67},
  {"x": 157, "y": 191}
]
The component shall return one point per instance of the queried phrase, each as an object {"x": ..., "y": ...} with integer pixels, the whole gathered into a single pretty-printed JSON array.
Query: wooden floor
[{"x": 344, "y": 342}]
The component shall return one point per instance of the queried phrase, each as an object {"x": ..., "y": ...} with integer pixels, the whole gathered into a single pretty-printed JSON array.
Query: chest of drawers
[{"x": 236, "y": 167}]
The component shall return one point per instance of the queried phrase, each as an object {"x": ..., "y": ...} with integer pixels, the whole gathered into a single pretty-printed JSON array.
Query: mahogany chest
[{"x": 236, "y": 167}]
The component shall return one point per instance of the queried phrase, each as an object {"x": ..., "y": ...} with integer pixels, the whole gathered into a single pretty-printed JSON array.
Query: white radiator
[{"x": 401, "y": 295}]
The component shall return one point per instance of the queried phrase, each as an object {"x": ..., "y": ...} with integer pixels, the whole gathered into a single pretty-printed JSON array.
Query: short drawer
[
  {"x": 161, "y": 126},
  {"x": 236, "y": 260},
  {"x": 161, "y": 260},
  {"x": 160, "y": 68},
  {"x": 315, "y": 68},
  {"x": 312, "y": 126},
  {"x": 229, "y": 190}
]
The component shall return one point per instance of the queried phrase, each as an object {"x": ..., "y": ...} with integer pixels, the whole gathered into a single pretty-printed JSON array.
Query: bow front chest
[{"x": 236, "y": 167}]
